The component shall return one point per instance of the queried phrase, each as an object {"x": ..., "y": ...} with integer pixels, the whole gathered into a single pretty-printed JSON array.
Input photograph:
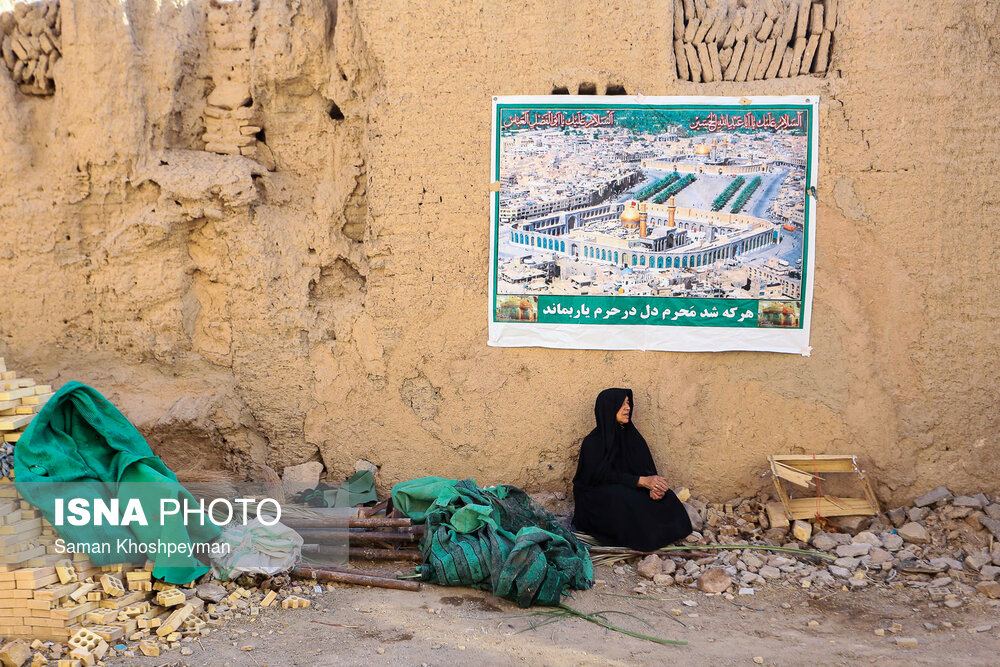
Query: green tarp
[
  {"x": 496, "y": 539},
  {"x": 80, "y": 446}
]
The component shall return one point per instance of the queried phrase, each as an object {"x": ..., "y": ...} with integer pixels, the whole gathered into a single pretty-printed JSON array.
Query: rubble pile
[{"x": 944, "y": 544}]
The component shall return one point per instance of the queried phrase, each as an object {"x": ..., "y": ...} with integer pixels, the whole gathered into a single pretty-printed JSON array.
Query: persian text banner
[{"x": 666, "y": 223}]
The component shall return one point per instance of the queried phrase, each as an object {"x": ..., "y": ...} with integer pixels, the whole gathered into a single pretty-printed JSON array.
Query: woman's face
[{"x": 623, "y": 412}]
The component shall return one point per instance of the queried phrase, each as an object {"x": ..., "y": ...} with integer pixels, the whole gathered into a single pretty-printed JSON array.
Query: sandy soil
[{"x": 448, "y": 626}]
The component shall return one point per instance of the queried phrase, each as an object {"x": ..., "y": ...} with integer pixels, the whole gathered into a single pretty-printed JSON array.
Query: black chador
[{"x": 610, "y": 504}]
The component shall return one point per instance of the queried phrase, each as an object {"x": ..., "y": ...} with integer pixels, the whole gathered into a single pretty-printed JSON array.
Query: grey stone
[
  {"x": 751, "y": 560},
  {"x": 697, "y": 523},
  {"x": 823, "y": 542},
  {"x": 210, "y": 592},
  {"x": 663, "y": 580},
  {"x": 853, "y": 550},
  {"x": 989, "y": 572},
  {"x": 993, "y": 511},
  {"x": 892, "y": 542},
  {"x": 992, "y": 525},
  {"x": 650, "y": 566},
  {"x": 839, "y": 571},
  {"x": 967, "y": 501},
  {"x": 857, "y": 583},
  {"x": 669, "y": 566},
  {"x": 879, "y": 556},
  {"x": 866, "y": 537},
  {"x": 933, "y": 496},
  {"x": 847, "y": 562},
  {"x": 769, "y": 572},
  {"x": 918, "y": 513},
  {"x": 897, "y": 517},
  {"x": 914, "y": 533},
  {"x": 975, "y": 562},
  {"x": 365, "y": 464}
]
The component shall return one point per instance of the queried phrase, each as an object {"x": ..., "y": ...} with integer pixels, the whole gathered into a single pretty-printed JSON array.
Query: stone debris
[
  {"x": 31, "y": 45},
  {"x": 726, "y": 41},
  {"x": 942, "y": 547}
]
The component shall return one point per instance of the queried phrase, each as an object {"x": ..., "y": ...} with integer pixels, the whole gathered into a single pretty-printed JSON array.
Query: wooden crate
[{"x": 805, "y": 470}]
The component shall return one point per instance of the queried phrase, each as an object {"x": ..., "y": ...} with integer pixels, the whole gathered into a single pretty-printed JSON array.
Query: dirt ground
[{"x": 449, "y": 626}]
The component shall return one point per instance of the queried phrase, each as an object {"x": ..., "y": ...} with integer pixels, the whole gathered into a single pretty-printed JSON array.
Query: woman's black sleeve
[{"x": 595, "y": 466}]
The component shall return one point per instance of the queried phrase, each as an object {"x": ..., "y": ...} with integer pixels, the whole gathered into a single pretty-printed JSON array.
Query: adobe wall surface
[{"x": 336, "y": 307}]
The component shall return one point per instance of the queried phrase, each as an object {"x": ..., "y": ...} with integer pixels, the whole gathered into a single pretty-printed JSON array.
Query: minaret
[
  {"x": 643, "y": 233},
  {"x": 715, "y": 150},
  {"x": 671, "y": 210}
]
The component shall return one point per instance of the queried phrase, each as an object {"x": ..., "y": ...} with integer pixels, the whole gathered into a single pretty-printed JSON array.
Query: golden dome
[
  {"x": 630, "y": 214},
  {"x": 703, "y": 149}
]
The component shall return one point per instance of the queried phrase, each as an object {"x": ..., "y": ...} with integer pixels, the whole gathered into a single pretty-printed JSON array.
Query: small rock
[
  {"x": 933, "y": 496},
  {"x": 210, "y": 592},
  {"x": 880, "y": 632},
  {"x": 813, "y": 624},
  {"x": 380, "y": 650},
  {"x": 823, "y": 542},
  {"x": 982, "y": 628},
  {"x": 747, "y": 591},
  {"x": 879, "y": 556},
  {"x": 992, "y": 510},
  {"x": 897, "y": 517},
  {"x": 650, "y": 566},
  {"x": 867, "y": 537},
  {"x": 669, "y": 566},
  {"x": 853, "y": 550},
  {"x": 230, "y": 95},
  {"x": 847, "y": 563},
  {"x": 751, "y": 560},
  {"x": 989, "y": 571},
  {"x": 15, "y": 654},
  {"x": 851, "y": 524},
  {"x": 802, "y": 530},
  {"x": 186, "y": 651},
  {"x": 364, "y": 464},
  {"x": 770, "y": 572},
  {"x": 953, "y": 604},
  {"x": 990, "y": 589},
  {"x": 907, "y": 641},
  {"x": 975, "y": 562},
  {"x": 758, "y": 660},
  {"x": 838, "y": 571},
  {"x": 714, "y": 580},
  {"x": 914, "y": 533},
  {"x": 917, "y": 513},
  {"x": 967, "y": 501},
  {"x": 892, "y": 542},
  {"x": 663, "y": 580},
  {"x": 697, "y": 523},
  {"x": 992, "y": 525}
]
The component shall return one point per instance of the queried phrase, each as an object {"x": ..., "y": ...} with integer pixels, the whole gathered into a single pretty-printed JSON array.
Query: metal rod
[
  {"x": 339, "y": 536},
  {"x": 385, "y": 554},
  {"x": 351, "y": 570},
  {"x": 355, "y": 579}
]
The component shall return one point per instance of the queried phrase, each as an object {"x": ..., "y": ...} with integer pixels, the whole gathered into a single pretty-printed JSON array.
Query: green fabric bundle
[
  {"x": 80, "y": 446},
  {"x": 495, "y": 539}
]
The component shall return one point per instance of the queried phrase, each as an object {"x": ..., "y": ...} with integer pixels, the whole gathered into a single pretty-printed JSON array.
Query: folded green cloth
[
  {"x": 80, "y": 446},
  {"x": 496, "y": 539}
]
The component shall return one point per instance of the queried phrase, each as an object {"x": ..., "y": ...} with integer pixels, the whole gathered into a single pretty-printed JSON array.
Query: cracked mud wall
[{"x": 335, "y": 308}]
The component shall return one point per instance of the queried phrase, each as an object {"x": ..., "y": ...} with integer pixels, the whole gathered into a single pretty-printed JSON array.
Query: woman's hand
[
  {"x": 657, "y": 495},
  {"x": 654, "y": 483}
]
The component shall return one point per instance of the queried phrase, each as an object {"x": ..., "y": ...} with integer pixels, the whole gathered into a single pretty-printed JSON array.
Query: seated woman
[{"x": 620, "y": 499}]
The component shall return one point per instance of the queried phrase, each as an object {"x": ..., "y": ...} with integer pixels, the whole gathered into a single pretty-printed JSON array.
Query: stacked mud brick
[
  {"x": 20, "y": 401},
  {"x": 31, "y": 45},
  {"x": 719, "y": 40},
  {"x": 232, "y": 122}
]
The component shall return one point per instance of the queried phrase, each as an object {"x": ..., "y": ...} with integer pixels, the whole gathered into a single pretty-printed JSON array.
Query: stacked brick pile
[
  {"x": 717, "y": 40},
  {"x": 31, "y": 45},
  {"x": 20, "y": 401}
]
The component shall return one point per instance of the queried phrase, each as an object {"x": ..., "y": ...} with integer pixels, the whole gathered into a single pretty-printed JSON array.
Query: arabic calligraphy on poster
[{"x": 624, "y": 310}]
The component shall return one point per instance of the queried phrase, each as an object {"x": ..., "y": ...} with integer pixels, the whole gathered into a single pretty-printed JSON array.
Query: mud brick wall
[{"x": 335, "y": 309}]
